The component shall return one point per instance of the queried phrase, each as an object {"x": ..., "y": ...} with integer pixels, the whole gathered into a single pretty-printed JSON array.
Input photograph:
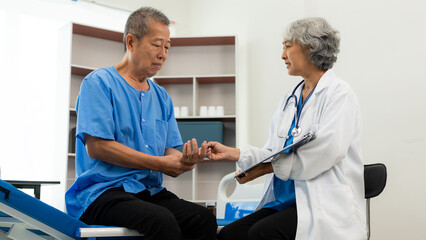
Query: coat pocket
[{"x": 337, "y": 204}]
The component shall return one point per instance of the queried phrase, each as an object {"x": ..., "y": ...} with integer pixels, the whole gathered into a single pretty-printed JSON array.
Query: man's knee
[
  {"x": 227, "y": 233},
  {"x": 162, "y": 224},
  {"x": 209, "y": 217},
  {"x": 201, "y": 225}
]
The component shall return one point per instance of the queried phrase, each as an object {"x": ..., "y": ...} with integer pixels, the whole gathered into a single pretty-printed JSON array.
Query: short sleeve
[{"x": 94, "y": 109}]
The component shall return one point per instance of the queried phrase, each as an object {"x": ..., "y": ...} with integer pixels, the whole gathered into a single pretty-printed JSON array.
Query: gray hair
[
  {"x": 138, "y": 22},
  {"x": 316, "y": 34}
]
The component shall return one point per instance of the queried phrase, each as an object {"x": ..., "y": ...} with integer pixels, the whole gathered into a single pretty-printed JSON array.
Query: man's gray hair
[
  {"x": 315, "y": 33},
  {"x": 138, "y": 22}
]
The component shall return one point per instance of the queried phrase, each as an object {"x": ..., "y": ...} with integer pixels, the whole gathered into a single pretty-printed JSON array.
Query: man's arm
[{"x": 118, "y": 154}]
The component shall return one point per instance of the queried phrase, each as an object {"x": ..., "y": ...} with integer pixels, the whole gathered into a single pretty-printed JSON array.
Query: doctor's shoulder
[{"x": 340, "y": 91}]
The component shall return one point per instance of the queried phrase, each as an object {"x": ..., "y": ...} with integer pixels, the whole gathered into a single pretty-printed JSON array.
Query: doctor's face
[{"x": 296, "y": 58}]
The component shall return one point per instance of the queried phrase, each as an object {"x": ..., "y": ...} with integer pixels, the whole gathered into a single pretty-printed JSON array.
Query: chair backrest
[{"x": 375, "y": 176}]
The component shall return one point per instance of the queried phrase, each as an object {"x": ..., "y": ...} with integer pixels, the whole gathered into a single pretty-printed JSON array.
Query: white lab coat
[{"x": 328, "y": 171}]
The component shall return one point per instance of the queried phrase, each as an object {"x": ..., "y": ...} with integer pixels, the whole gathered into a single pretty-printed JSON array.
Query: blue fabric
[
  {"x": 39, "y": 210},
  {"x": 284, "y": 191},
  {"x": 109, "y": 108},
  {"x": 224, "y": 222},
  {"x": 237, "y": 210}
]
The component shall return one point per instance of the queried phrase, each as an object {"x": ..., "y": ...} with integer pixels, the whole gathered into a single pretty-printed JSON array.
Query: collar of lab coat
[{"x": 324, "y": 81}]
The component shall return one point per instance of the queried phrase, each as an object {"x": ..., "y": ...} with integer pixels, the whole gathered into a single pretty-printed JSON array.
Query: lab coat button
[
  {"x": 146, "y": 146},
  {"x": 143, "y": 94},
  {"x": 143, "y": 119}
]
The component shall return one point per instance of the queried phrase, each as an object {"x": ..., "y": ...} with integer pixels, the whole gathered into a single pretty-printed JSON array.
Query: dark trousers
[
  {"x": 162, "y": 216},
  {"x": 266, "y": 223}
]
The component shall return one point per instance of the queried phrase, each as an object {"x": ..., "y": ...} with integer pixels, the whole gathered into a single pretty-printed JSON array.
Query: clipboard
[{"x": 306, "y": 138}]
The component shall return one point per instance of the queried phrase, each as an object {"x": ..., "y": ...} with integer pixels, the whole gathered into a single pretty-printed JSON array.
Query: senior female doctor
[{"x": 316, "y": 192}]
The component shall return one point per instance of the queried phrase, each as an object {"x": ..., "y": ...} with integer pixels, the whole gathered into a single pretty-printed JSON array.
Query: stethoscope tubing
[
  {"x": 293, "y": 95},
  {"x": 297, "y": 130}
]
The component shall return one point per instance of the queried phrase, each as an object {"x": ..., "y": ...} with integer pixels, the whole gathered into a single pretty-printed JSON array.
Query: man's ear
[{"x": 130, "y": 41}]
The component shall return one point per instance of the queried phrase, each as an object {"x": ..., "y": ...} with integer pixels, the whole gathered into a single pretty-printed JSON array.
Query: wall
[{"x": 381, "y": 58}]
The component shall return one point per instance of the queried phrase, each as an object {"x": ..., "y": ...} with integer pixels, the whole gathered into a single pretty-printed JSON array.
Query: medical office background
[{"x": 382, "y": 57}]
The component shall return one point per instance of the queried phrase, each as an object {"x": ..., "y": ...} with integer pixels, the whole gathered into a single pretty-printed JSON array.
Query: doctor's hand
[
  {"x": 254, "y": 173},
  {"x": 218, "y": 151},
  {"x": 191, "y": 154},
  {"x": 172, "y": 164}
]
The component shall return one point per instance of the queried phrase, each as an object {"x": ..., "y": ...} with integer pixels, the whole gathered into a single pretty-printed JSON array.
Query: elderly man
[{"x": 126, "y": 134}]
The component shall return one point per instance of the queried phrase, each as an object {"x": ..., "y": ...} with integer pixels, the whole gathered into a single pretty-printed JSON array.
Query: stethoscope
[{"x": 297, "y": 130}]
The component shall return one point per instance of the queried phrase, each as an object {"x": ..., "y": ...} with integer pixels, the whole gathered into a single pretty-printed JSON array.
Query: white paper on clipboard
[{"x": 306, "y": 138}]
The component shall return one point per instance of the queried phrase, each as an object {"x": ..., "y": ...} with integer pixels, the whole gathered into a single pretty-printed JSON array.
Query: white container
[
  {"x": 212, "y": 111},
  {"x": 177, "y": 112},
  {"x": 172, "y": 28},
  {"x": 184, "y": 111},
  {"x": 220, "y": 111},
  {"x": 203, "y": 111}
]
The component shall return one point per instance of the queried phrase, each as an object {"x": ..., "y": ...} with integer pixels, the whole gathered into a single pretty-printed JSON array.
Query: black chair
[{"x": 374, "y": 182}]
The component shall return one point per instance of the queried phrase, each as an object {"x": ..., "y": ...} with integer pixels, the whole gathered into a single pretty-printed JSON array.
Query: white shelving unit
[{"x": 200, "y": 71}]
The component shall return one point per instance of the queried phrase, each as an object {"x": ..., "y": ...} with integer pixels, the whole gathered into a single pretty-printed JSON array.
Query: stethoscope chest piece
[{"x": 296, "y": 131}]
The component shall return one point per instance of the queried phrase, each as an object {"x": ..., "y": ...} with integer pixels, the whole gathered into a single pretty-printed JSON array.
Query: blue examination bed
[{"x": 25, "y": 217}]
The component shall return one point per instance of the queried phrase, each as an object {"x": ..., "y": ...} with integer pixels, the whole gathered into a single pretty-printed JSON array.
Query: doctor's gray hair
[
  {"x": 316, "y": 34},
  {"x": 138, "y": 22}
]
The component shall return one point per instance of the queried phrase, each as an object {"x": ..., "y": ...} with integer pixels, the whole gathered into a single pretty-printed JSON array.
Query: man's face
[{"x": 149, "y": 54}]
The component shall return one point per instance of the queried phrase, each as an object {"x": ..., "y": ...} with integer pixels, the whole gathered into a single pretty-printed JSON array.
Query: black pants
[
  {"x": 266, "y": 223},
  {"x": 162, "y": 216}
]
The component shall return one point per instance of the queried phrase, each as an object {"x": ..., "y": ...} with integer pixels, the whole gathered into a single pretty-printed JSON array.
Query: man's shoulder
[
  {"x": 103, "y": 76},
  {"x": 102, "y": 72}
]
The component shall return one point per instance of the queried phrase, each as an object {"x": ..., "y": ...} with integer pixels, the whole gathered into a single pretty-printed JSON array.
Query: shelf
[
  {"x": 173, "y": 80},
  {"x": 73, "y": 112},
  {"x": 216, "y": 79},
  {"x": 202, "y": 79},
  {"x": 227, "y": 118},
  {"x": 81, "y": 70},
  {"x": 201, "y": 71},
  {"x": 175, "y": 42},
  {"x": 203, "y": 41},
  {"x": 97, "y": 32}
]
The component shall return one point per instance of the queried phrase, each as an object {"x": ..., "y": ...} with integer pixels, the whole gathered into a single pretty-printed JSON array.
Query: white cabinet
[{"x": 200, "y": 71}]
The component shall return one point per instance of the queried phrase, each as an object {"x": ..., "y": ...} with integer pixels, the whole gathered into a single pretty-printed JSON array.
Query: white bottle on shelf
[
  {"x": 172, "y": 28},
  {"x": 212, "y": 111}
]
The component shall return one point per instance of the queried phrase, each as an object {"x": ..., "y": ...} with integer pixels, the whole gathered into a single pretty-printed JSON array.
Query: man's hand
[
  {"x": 191, "y": 154},
  {"x": 173, "y": 165}
]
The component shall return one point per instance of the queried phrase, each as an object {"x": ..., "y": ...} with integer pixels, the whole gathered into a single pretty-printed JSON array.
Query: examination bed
[{"x": 25, "y": 217}]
